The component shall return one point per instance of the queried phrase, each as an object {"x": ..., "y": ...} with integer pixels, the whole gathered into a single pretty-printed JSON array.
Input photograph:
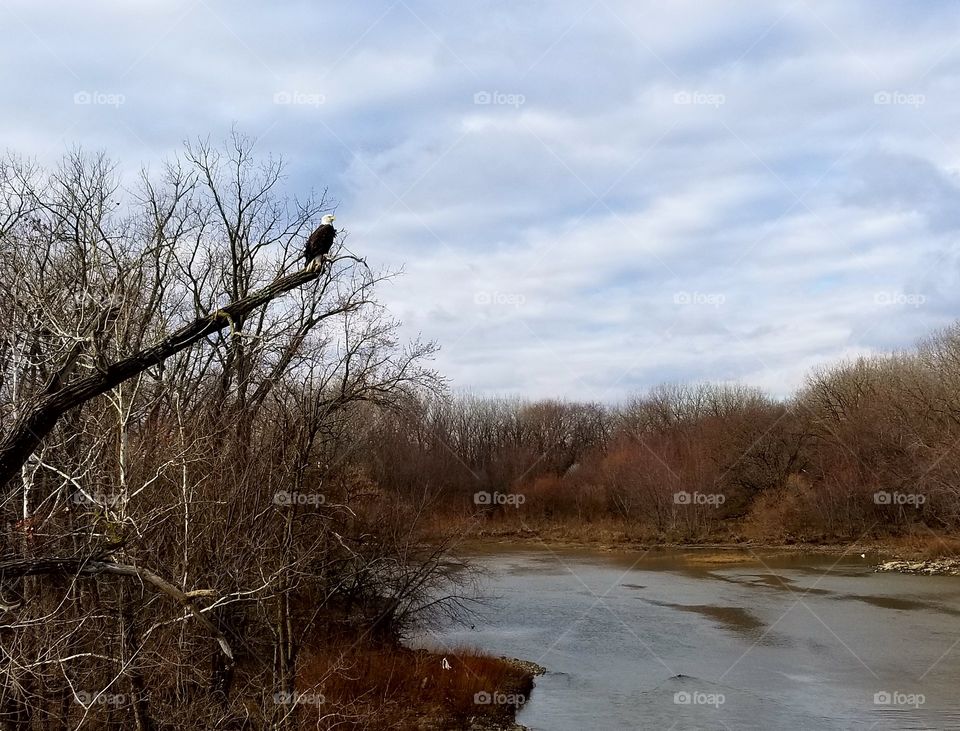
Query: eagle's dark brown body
[{"x": 319, "y": 243}]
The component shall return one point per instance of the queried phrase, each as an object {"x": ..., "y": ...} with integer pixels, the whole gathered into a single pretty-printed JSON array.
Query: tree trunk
[{"x": 36, "y": 422}]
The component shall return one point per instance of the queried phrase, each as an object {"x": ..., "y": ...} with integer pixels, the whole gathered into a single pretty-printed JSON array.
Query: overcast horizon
[{"x": 587, "y": 200}]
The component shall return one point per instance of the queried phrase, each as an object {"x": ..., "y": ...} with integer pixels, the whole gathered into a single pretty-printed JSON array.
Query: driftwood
[{"x": 37, "y": 421}]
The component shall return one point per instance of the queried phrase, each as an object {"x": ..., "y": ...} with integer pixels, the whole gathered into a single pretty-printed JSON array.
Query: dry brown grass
[
  {"x": 776, "y": 521},
  {"x": 398, "y": 688},
  {"x": 927, "y": 546}
]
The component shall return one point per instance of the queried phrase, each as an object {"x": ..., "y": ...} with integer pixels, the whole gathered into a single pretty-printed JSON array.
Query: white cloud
[{"x": 778, "y": 183}]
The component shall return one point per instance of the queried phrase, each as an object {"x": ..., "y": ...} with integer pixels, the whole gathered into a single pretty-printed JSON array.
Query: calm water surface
[{"x": 684, "y": 640}]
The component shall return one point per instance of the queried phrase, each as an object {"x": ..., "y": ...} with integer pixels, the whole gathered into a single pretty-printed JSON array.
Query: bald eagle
[{"x": 320, "y": 241}]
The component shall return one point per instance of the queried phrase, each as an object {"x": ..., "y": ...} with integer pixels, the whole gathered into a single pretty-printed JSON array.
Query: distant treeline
[{"x": 865, "y": 448}]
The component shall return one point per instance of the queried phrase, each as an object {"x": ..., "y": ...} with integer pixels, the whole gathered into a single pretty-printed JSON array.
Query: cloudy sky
[{"x": 587, "y": 198}]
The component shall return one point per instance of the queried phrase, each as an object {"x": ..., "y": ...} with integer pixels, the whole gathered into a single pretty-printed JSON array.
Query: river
[{"x": 720, "y": 640}]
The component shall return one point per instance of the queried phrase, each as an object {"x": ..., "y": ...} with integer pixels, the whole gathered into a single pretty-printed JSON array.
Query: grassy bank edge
[
  {"x": 911, "y": 548},
  {"x": 397, "y": 687}
]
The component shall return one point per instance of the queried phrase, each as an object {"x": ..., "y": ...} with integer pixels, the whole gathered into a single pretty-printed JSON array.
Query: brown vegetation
[
  {"x": 864, "y": 451},
  {"x": 398, "y": 688}
]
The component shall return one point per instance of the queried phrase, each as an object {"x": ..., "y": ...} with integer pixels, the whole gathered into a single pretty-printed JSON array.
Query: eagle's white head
[{"x": 328, "y": 219}]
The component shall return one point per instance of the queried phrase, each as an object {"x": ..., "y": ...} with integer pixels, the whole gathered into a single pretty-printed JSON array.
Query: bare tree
[{"x": 160, "y": 394}]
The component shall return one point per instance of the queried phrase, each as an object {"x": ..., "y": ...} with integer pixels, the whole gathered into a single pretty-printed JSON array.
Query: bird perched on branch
[{"x": 320, "y": 242}]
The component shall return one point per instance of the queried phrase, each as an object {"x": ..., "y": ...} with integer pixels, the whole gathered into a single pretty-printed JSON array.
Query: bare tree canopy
[
  {"x": 39, "y": 418},
  {"x": 181, "y": 405}
]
